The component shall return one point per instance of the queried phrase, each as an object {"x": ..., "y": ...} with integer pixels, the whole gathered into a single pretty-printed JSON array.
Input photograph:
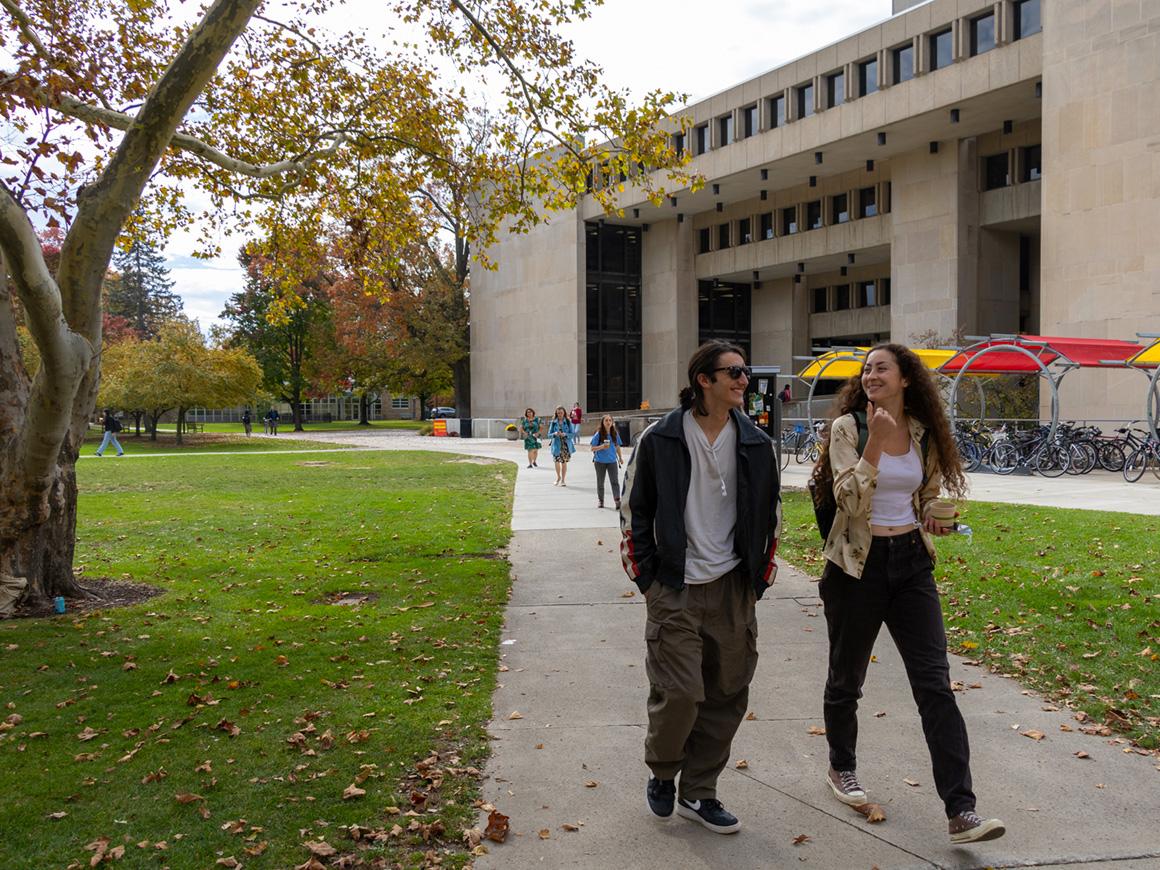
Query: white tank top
[{"x": 893, "y": 501}]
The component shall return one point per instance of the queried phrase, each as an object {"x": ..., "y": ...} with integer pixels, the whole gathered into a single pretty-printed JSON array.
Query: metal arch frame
[
  {"x": 951, "y": 400},
  {"x": 1044, "y": 371},
  {"x": 842, "y": 354},
  {"x": 1152, "y": 402}
]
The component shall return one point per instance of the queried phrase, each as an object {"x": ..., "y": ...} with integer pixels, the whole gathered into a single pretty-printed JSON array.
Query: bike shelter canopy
[
  {"x": 1149, "y": 358},
  {"x": 1050, "y": 357}
]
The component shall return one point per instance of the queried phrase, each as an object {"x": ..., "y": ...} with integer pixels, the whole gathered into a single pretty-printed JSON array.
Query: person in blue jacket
[
  {"x": 562, "y": 438},
  {"x": 607, "y": 459}
]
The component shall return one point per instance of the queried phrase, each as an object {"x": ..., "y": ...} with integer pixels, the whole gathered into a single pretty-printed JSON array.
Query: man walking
[
  {"x": 700, "y": 517},
  {"x": 112, "y": 427}
]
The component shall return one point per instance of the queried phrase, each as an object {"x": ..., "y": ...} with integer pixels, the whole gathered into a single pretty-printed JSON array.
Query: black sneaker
[
  {"x": 709, "y": 813},
  {"x": 660, "y": 793},
  {"x": 967, "y": 827}
]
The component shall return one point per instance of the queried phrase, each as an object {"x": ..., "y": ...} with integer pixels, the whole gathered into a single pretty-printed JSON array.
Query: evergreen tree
[{"x": 144, "y": 296}]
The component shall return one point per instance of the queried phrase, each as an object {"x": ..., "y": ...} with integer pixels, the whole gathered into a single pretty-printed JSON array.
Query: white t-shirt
[
  {"x": 898, "y": 477},
  {"x": 711, "y": 505}
]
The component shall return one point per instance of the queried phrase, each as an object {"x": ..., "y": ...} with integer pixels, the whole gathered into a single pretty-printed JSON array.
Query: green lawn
[
  {"x": 1068, "y": 601},
  {"x": 286, "y": 426},
  {"x": 228, "y": 717},
  {"x": 203, "y": 442}
]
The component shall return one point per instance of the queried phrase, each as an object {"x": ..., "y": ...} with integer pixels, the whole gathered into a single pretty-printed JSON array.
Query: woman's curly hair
[{"x": 921, "y": 401}]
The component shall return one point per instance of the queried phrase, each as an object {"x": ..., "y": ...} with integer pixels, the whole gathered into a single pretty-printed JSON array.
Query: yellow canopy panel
[
  {"x": 1148, "y": 357},
  {"x": 844, "y": 364}
]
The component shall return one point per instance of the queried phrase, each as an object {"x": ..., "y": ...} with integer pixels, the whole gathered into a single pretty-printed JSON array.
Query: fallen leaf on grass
[
  {"x": 873, "y": 812},
  {"x": 188, "y": 798},
  {"x": 231, "y": 861},
  {"x": 801, "y": 839},
  {"x": 88, "y": 734},
  {"x": 1033, "y": 734},
  {"x": 352, "y": 791},
  {"x": 497, "y": 826},
  {"x": 58, "y": 815},
  {"x": 321, "y": 850}
]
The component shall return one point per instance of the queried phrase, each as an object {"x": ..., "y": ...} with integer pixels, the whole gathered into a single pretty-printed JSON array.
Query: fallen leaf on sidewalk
[
  {"x": 1033, "y": 734},
  {"x": 742, "y": 764},
  {"x": 816, "y": 730},
  {"x": 752, "y": 717},
  {"x": 910, "y": 782},
  {"x": 591, "y": 784},
  {"x": 873, "y": 812},
  {"x": 627, "y": 594},
  {"x": 1082, "y": 754},
  {"x": 545, "y": 834},
  {"x": 801, "y": 838},
  {"x": 879, "y": 714},
  {"x": 568, "y": 826},
  {"x": 516, "y": 714},
  {"x": 497, "y": 826},
  {"x": 539, "y": 746}
]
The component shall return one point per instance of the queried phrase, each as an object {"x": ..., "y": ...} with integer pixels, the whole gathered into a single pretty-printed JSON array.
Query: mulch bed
[{"x": 103, "y": 595}]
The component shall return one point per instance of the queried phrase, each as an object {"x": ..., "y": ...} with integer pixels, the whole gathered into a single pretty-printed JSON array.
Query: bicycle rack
[{"x": 1044, "y": 371}]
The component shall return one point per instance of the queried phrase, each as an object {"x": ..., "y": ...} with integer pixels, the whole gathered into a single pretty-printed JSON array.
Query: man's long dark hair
[
  {"x": 703, "y": 361},
  {"x": 920, "y": 400}
]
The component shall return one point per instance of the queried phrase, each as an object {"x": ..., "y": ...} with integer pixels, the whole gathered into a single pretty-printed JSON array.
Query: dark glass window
[
  {"x": 679, "y": 143},
  {"x": 835, "y": 89},
  {"x": 704, "y": 241},
  {"x": 701, "y": 138},
  {"x": 1031, "y": 163},
  {"x": 820, "y": 299},
  {"x": 864, "y": 295},
  {"x": 789, "y": 221},
  {"x": 748, "y": 121},
  {"x": 777, "y": 111},
  {"x": 839, "y": 207},
  {"x": 766, "y": 225},
  {"x": 724, "y": 312},
  {"x": 868, "y": 76},
  {"x": 613, "y": 314},
  {"x": 867, "y": 202},
  {"x": 722, "y": 236},
  {"x": 744, "y": 231},
  {"x": 883, "y": 291},
  {"x": 982, "y": 33},
  {"x": 1027, "y": 19},
  {"x": 814, "y": 214},
  {"x": 996, "y": 172},
  {"x": 805, "y": 100},
  {"x": 725, "y": 130},
  {"x": 941, "y": 50},
  {"x": 842, "y": 297},
  {"x": 904, "y": 63}
]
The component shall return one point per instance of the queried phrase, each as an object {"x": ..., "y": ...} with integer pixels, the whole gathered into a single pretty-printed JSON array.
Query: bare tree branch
[{"x": 25, "y": 24}]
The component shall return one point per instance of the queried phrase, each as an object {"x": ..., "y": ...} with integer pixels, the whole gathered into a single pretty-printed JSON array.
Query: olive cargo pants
[{"x": 702, "y": 652}]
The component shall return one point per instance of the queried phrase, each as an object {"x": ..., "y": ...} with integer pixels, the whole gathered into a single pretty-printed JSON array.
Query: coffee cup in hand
[{"x": 943, "y": 512}]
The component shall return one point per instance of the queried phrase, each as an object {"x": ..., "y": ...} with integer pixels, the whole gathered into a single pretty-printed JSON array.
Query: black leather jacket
[{"x": 652, "y": 508}]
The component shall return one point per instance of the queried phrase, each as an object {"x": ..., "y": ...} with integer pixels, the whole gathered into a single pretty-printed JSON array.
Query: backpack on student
[
  {"x": 825, "y": 508},
  {"x": 117, "y": 427}
]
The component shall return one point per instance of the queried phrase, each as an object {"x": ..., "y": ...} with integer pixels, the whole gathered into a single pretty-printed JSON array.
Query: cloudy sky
[{"x": 697, "y": 47}]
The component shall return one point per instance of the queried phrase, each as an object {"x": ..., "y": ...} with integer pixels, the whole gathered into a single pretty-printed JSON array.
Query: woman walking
[
  {"x": 563, "y": 435},
  {"x": 607, "y": 459},
  {"x": 530, "y": 430},
  {"x": 888, "y": 455}
]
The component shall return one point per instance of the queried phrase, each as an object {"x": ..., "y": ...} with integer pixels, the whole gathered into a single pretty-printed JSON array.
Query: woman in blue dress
[{"x": 562, "y": 434}]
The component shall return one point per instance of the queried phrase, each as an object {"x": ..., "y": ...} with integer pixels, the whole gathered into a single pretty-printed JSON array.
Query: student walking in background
[
  {"x": 247, "y": 422},
  {"x": 607, "y": 459},
  {"x": 112, "y": 427},
  {"x": 562, "y": 433},
  {"x": 576, "y": 415},
  {"x": 530, "y": 427},
  {"x": 888, "y": 456}
]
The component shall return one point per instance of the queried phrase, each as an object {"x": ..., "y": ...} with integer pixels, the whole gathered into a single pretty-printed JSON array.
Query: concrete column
[
  {"x": 934, "y": 242},
  {"x": 776, "y": 330},
  {"x": 668, "y": 312},
  {"x": 1100, "y": 270}
]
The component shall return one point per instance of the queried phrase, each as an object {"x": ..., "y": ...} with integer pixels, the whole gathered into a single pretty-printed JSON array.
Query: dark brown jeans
[{"x": 702, "y": 652}]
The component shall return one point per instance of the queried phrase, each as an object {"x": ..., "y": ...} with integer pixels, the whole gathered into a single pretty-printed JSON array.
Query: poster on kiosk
[{"x": 761, "y": 402}]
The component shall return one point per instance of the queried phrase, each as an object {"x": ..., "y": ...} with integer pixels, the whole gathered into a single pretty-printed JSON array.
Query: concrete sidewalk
[{"x": 573, "y": 653}]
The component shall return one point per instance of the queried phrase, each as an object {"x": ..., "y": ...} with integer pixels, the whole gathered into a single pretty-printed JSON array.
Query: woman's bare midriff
[{"x": 891, "y": 531}]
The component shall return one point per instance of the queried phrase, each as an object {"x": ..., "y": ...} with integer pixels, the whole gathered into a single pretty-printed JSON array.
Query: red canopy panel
[{"x": 1087, "y": 352}]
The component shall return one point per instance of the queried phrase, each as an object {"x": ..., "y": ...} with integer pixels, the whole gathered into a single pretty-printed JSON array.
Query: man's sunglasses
[{"x": 736, "y": 372}]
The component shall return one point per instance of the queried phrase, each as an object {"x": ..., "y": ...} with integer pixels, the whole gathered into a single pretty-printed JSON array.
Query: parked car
[{"x": 443, "y": 413}]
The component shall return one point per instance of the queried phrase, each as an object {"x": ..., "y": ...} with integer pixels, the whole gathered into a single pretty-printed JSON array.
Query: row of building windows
[
  {"x": 839, "y": 208},
  {"x": 843, "y": 297},
  {"x": 939, "y": 52},
  {"x": 997, "y": 168}
]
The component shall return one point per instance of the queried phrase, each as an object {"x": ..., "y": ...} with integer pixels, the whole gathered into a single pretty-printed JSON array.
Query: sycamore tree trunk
[{"x": 43, "y": 418}]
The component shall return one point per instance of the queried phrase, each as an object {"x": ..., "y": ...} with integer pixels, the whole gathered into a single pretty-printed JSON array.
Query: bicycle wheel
[
  {"x": 1004, "y": 458},
  {"x": 969, "y": 451},
  {"x": 801, "y": 454},
  {"x": 1134, "y": 464},
  {"x": 786, "y": 451},
  {"x": 1051, "y": 460},
  {"x": 1112, "y": 456},
  {"x": 1082, "y": 457}
]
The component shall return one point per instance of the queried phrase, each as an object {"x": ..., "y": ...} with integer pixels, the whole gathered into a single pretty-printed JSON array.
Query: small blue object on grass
[{"x": 58, "y": 604}]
